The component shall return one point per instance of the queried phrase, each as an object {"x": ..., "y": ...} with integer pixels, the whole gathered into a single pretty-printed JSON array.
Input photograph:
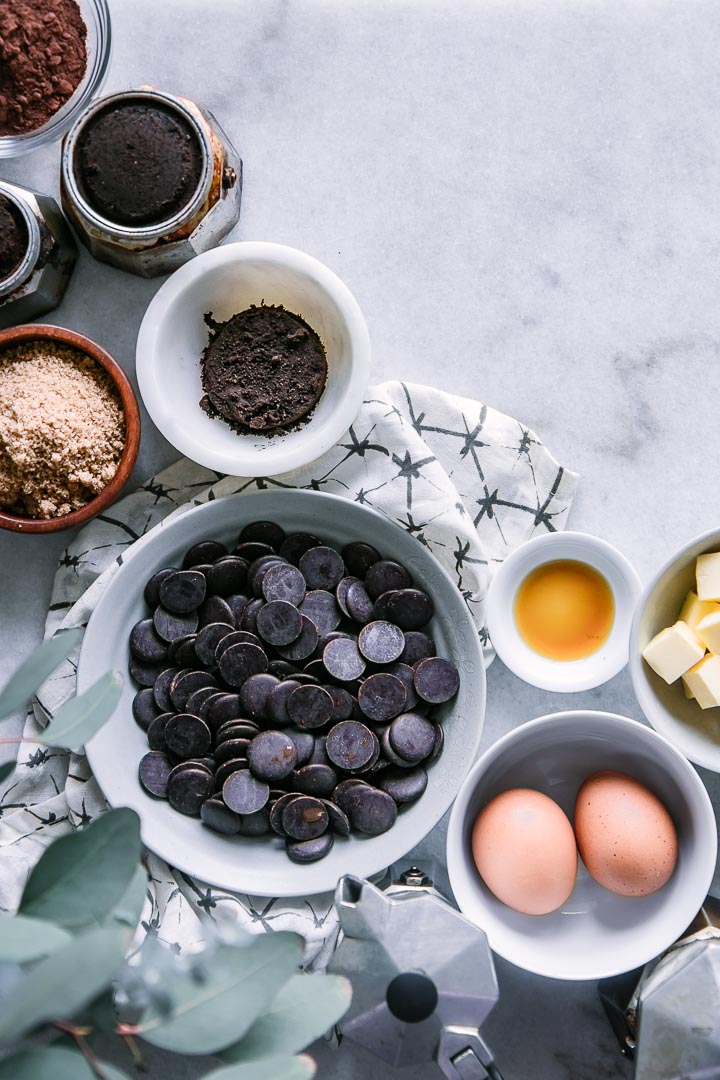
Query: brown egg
[
  {"x": 625, "y": 835},
  {"x": 524, "y": 847}
]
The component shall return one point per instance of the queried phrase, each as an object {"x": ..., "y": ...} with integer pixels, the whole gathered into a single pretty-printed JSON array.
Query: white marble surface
[{"x": 524, "y": 198}]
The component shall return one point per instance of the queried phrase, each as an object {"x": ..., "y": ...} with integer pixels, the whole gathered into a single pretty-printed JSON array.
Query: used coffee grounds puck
[{"x": 263, "y": 370}]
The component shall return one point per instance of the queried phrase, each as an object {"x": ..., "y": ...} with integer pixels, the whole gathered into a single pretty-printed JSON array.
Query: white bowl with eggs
[
  {"x": 607, "y": 656},
  {"x": 221, "y": 283},
  {"x": 693, "y": 730},
  {"x": 595, "y": 933}
]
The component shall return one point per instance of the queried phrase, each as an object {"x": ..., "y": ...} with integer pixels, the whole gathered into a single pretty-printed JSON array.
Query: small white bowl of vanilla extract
[{"x": 559, "y": 611}]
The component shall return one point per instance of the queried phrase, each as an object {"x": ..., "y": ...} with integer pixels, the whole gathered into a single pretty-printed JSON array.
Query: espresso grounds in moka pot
[
  {"x": 14, "y": 238},
  {"x": 137, "y": 164},
  {"x": 263, "y": 370}
]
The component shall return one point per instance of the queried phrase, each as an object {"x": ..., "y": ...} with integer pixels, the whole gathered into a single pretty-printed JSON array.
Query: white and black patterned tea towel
[{"x": 468, "y": 482}]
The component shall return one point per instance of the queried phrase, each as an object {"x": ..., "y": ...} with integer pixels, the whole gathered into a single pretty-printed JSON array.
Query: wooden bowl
[{"x": 34, "y": 332}]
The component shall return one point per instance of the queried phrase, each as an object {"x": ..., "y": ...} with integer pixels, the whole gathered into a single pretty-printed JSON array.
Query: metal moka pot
[
  {"x": 423, "y": 977},
  {"x": 667, "y": 1014},
  {"x": 208, "y": 217},
  {"x": 37, "y": 285}
]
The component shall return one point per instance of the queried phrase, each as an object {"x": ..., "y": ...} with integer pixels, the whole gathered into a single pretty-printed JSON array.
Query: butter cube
[
  {"x": 686, "y": 689},
  {"x": 694, "y": 609},
  {"x": 707, "y": 575},
  {"x": 704, "y": 681},
  {"x": 673, "y": 651},
  {"x": 708, "y": 630}
]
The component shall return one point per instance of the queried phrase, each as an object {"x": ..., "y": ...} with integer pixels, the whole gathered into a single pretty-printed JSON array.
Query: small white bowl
[
  {"x": 596, "y": 934},
  {"x": 222, "y": 282},
  {"x": 562, "y": 676},
  {"x": 693, "y": 730}
]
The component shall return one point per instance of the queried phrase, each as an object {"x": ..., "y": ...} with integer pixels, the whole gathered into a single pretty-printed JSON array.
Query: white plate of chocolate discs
[{"x": 304, "y": 691}]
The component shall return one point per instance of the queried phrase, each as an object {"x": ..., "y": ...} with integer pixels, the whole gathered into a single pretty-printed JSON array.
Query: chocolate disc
[
  {"x": 310, "y": 707},
  {"x": 227, "y": 576},
  {"x": 183, "y": 591},
  {"x": 304, "y": 645},
  {"x": 171, "y": 626},
  {"x": 318, "y": 780},
  {"x": 404, "y": 786},
  {"x": 239, "y": 662},
  {"x": 265, "y": 532},
  {"x": 161, "y": 689},
  {"x": 283, "y": 581},
  {"x": 154, "y": 770},
  {"x": 215, "y": 610},
  {"x": 152, "y": 588},
  {"x": 304, "y": 818},
  {"x": 385, "y": 575},
  {"x": 243, "y": 793},
  {"x": 351, "y": 745},
  {"x": 342, "y": 659},
  {"x": 272, "y": 755},
  {"x": 359, "y": 557},
  {"x": 188, "y": 790},
  {"x": 186, "y": 683},
  {"x": 296, "y": 544},
  {"x": 307, "y": 851},
  {"x": 412, "y": 737},
  {"x": 207, "y": 551},
  {"x": 436, "y": 680},
  {"x": 207, "y": 640},
  {"x": 254, "y": 695},
  {"x": 410, "y": 609},
  {"x": 145, "y": 643},
  {"x": 418, "y": 646},
  {"x": 381, "y": 642},
  {"x": 322, "y": 609},
  {"x": 144, "y": 708},
  {"x": 216, "y": 815},
  {"x": 382, "y": 696},
  {"x": 187, "y": 736},
  {"x": 279, "y": 622},
  {"x": 322, "y": 567},
  {"x": 359, "y": 604}
]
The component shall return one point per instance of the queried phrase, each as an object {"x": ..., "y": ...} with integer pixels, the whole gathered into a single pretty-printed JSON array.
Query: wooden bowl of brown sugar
[{"x": 69, "y": 429}]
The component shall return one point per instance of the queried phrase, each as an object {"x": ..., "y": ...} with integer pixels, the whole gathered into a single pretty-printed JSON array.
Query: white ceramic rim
[
  {"x": 562, "y": 676},
  {"x": 367, "y": 856},
  {"x": 315, "y": 440},
  {"x": 641, "y": 688},
  {"x": 458, "y": 857}
]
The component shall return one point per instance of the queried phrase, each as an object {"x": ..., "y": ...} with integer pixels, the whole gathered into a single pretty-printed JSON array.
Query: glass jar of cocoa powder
[
  {"x": 37, "y": 254},
  {"x": 149, "y": 180}
]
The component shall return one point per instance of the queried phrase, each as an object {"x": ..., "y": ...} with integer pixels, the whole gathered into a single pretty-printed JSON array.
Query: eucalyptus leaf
[
  {"x": 32, "y": 674},
  {"x": 58, "y": 1062},
  {"x": 128, "y": 909},
  {"x": 277, "y": 1068},
  {"x": 82, "y": 876},
  {"x": 79, "y": 719},
  {"x": 23, "y": 939},
  {"x": 57, "y": 987},
  {"x": 54, "y": 1063},
  {"x": 303, "y": 1010},
  {"x": 238, "y": 984},
  {"x": 7, "y": 769}
]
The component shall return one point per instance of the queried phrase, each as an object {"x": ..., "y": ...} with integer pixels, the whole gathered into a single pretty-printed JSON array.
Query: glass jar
[{"x": 99, "y": 47}]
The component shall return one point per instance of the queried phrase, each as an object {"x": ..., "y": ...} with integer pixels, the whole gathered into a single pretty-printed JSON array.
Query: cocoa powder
[{"x": 43, "y": 58}]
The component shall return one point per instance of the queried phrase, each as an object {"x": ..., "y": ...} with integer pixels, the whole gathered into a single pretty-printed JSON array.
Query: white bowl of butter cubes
[{"x": 675, "y": 650}]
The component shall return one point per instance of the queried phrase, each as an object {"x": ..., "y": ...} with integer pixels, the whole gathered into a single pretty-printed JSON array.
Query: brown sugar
[{"x": 62, "y": 429}]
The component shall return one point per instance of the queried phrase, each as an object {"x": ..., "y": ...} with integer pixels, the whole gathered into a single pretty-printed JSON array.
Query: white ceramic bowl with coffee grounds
[{"x": 221, "y": 283}]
